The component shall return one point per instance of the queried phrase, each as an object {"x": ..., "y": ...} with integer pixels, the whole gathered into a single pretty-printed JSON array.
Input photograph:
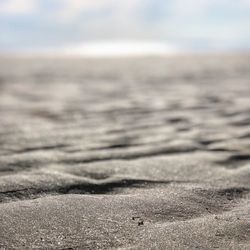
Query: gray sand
[{"x": 149, "y": 153}]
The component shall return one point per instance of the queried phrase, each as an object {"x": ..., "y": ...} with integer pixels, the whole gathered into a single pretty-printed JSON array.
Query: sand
[{"x": 147, "y": 153}]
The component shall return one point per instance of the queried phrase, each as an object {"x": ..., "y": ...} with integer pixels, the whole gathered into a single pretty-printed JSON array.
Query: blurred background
[{"x": 116, "y": 27}]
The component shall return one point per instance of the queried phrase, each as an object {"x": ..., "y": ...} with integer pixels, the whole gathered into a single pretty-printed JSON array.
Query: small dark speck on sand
[
  {"x": 140, "y": 222},
  {"x": 139, "y": 219}
]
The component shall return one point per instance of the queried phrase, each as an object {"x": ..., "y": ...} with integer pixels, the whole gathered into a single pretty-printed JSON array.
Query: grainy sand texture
[{"x": 150, "y": 153}]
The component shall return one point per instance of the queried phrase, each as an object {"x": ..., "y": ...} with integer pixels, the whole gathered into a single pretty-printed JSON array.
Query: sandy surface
[{"x": 125, "y": 154}]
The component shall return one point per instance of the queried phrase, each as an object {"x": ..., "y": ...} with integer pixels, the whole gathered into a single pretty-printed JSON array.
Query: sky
[{"x": 190, "y": 24}]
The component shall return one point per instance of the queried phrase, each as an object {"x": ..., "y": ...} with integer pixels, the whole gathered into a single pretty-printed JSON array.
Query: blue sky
[{"x": 193, "y": 24}]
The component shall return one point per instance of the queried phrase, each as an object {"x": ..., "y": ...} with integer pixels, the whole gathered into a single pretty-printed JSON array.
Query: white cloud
[
  {"x": 69, "y": 10},
  {"x": 246, "y": 2},
  {"x": 181, "y": 10},
  {"x": 17, "y": 7}
]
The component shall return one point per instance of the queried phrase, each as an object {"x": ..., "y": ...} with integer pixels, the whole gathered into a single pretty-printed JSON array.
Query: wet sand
[{"x": 149, "y": 153}]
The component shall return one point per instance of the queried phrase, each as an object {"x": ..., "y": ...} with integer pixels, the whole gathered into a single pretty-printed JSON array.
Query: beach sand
[{"x": 146, "y": 153}]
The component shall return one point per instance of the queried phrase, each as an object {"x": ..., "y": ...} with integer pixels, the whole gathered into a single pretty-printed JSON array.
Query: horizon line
[{"x": 116, "y": 48}]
